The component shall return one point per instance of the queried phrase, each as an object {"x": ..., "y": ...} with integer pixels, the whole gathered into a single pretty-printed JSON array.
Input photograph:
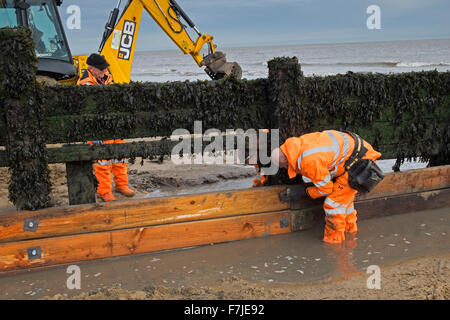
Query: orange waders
[
  {"x": 102, "y": 170},
  {"x": 320, "y": 157}
]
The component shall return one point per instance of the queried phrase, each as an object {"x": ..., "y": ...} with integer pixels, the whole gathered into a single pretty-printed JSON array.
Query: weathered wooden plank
[
  {"x": 80, "y": 182},
  {"x": 306, "y": 218},
  {"x": 410, "y": 181},
  {"x": 413, "y": 202},
  {"x": 84, "y": 127},
  {"x": 91, "y": 246},
  {"x": 398, "y": 183},
  {"x": 139, "y": 213},
  {"x": 83, "y": 152}
]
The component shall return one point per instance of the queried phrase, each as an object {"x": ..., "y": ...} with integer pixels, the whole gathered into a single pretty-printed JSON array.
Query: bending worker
[
  {"x": 97, "y": 74},
  {"x": 339, "y": 164}
]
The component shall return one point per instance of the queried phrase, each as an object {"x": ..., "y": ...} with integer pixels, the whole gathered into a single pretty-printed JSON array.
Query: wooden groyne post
[{"x": 23, "y": 118}]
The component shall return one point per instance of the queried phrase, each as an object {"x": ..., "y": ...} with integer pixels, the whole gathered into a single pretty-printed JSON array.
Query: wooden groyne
[{"x": 402, "y": 115}]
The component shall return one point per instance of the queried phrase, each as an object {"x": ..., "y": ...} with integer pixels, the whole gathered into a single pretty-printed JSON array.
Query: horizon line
[{"x": 300, "y": 44}]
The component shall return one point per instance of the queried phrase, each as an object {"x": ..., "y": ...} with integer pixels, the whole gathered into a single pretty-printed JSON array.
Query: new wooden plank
[
  {"x": 139, "y": 213},
  {"x": 200, "y": 232},
  {"x": 58, "y": 250},
  {"x": 14, "y": 256}
]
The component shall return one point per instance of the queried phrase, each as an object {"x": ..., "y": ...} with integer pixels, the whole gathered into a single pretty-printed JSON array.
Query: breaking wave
[
  {"x": 391, "y": 64},
  {"x": 387, "y": 64},
  {"x": 164, "y": 72},
  {"x": 422, "y": 64}
]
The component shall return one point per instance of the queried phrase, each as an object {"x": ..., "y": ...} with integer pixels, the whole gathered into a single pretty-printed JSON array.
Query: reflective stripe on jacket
[{"x": 320, "y": 157}]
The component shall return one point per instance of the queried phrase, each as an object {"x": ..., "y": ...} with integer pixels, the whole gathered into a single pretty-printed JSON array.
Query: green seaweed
[{"x": 22, "y": 114}]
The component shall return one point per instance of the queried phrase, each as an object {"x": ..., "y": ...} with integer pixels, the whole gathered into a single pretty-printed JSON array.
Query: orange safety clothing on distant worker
[
  {"x": 88, "y": 79},
  {"x": 103, "y": 168},
  {"x": 320, "y": 158}
]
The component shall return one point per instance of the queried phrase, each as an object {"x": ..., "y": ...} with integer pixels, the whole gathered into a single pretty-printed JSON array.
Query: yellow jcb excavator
[{"x": 119, "y": 38}]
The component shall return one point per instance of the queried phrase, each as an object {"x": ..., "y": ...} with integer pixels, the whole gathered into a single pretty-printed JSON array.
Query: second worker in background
[{"x": 97, "y": 74}]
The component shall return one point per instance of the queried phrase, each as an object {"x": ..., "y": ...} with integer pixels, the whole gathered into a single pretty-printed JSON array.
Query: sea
[{"x": 315, "y": 59}]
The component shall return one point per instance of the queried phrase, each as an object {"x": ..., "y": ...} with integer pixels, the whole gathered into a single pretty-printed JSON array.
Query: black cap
[{"x": 98, "y": 61}]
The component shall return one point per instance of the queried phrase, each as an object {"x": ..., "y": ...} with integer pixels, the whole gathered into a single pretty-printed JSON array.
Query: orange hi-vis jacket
[
  {"x": 88, "y": 79},
  {"x": 320, "y": 157}
]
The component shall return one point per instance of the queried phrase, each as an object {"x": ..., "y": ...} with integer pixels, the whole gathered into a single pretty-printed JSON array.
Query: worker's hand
[{"x": 293, "y": 193}]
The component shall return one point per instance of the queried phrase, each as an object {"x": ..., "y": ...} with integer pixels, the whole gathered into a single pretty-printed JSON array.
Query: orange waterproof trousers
[
  {"x": 103, "y": 168},
  {"x": 340, "y": 214}
]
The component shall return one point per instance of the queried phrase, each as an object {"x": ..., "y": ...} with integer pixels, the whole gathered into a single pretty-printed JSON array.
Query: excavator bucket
[{"x": 217, "y": 66}]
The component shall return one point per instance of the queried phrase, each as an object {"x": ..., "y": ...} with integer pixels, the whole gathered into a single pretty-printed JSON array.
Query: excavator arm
[{"x": 119, "y": 39}]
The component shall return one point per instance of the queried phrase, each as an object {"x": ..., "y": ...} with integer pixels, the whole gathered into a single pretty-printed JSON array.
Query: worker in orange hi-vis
[
  {"x": 97, "y": 74},
  {"x": 339, "y": 165}
]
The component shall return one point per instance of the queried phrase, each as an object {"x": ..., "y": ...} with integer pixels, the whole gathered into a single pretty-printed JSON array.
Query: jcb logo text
[{"x": 126, "y": 42}]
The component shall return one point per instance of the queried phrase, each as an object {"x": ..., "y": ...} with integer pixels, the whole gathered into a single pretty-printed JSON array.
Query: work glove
[{"x": 293, "y": 193}]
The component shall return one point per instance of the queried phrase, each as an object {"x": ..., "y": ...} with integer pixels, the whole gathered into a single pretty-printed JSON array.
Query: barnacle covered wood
[
  {"x": 406, "y": 115},
  {"x": 22, "y": 118}
]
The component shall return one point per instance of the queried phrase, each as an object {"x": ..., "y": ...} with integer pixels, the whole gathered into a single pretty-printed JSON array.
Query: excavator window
[
  {"x": 43, "y": 21},
  {"x": 46, "y": 32},
  {"x": 9, "y": 16}
]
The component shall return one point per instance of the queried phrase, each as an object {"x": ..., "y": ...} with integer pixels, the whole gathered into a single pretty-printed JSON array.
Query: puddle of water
[
  {"x": 234, "y": 184},
  {"x": 386, "y": 165}
]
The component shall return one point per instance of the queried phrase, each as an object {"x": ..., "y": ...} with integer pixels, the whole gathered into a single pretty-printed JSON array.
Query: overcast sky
[{"x": 241, "y": 23}]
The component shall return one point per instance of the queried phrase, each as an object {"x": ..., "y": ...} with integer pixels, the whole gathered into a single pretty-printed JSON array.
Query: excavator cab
[{"x": 51, "y": 45}]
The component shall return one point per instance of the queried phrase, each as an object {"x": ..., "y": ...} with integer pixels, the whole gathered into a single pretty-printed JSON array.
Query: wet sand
[
  {"x": 412, "y": 250},
  {"x": 151, "y": 179}
]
